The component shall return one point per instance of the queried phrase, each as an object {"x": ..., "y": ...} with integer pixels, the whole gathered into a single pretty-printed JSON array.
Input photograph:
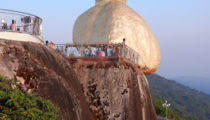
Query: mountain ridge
[
  {"x": 189, "y": 103},
  {"x": 195, "y": 82}
]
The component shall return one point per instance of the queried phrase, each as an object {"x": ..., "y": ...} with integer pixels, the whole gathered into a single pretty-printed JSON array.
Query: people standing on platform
[
  {"x": 13, "y": 26},
  {"x": 122, "y": 48},
  {"x": 117, "y": 51},
  {"x": 51, "y": 45},
  {"x": 103, "y": 52},
  {"x": 87, "y": 52},
  {"x": 99, "y": 53},
  {"x": 26, "y": 22},
  {"x": 4, "y": 24},
  {"x": 76, "y": 52},
  {"x": 66, "y": 53},
  {"x": 46, "y": 42},
  {"x": 109, "y": 51},
  {"x": 93, "y": 51}
]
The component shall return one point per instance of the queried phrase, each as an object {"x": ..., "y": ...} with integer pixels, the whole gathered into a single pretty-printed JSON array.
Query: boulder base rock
[
  {"x": 40, "y": 70},
  {"x": 115, "y": 90}
]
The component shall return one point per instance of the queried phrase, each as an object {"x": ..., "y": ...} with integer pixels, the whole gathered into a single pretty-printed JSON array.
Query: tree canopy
[{"x": 17, "y": 105}]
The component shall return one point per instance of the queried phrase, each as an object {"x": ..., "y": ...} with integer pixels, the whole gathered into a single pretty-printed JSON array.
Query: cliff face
[
  {"x": 45, "y": 73},
  {"x": 115, "y": 90},
  {"x": 90, "y": 91}
]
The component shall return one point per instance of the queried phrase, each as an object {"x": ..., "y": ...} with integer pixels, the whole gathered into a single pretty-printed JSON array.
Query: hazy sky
[{"x": 182, "y": 28}]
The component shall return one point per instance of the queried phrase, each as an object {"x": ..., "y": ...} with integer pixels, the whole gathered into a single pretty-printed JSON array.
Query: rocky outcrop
[
  {"x": 115, "y": 90},
  {"x": 45, "y": 73},
  {"x": 88, "y": 90}
]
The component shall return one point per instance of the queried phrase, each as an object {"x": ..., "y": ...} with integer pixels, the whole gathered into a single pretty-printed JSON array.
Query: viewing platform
[
  {"x": 20, "y": 26},
  {"x": 97, "y": 52}
]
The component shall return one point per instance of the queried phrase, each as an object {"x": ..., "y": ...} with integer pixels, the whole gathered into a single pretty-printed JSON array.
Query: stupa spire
[{"x": 105, "y": 1}]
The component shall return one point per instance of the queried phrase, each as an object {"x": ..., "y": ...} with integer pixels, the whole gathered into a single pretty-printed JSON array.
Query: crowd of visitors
[
  {"x": 12, "y": 26},
  {"x": 88, "y": 51},
  {"x": 25, "y": 24},
  {"x": 100, "y": 51},
  {"x": 50, "y": 44},
  {"x": 115, "y": 50},
  {"x": 95, "y": 50}
]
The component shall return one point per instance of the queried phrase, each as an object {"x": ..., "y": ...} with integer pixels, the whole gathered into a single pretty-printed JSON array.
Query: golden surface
[{"x": 110, "y": 21}]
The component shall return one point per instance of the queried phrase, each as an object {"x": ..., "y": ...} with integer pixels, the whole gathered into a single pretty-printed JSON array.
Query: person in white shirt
[
  {"x": 109, "y": 51},
  {"x": 87, "y": 52},
  {"x": 93, "y": 51},
  {"x": 103, "y": 53}
]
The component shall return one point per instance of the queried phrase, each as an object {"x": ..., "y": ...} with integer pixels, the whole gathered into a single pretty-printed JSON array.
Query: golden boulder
[{"x": 111, "y": 21}]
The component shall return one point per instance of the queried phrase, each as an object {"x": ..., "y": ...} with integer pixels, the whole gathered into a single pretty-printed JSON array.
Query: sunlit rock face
[{"x": 110, "y": 21}]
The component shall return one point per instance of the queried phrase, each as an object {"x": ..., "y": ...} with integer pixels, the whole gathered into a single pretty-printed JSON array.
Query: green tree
[
  {"x": 161, "y": 111},
  {"x": 16, "y": 105}
]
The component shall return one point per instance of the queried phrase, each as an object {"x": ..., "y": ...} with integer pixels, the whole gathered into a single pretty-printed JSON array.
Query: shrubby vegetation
[
  {"x": 161, "y": 111},
  {"x": 188, "y": 103},
  {"x": 16, "y": 105}
]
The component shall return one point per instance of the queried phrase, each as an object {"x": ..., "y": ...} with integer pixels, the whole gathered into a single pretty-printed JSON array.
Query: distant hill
[
  {"x": 198, "y": 83},
  {"x": 188, "y": 103}
]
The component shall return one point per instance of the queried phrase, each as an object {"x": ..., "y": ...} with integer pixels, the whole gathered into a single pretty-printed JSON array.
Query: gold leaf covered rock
[{"x": 111, "y": 21}]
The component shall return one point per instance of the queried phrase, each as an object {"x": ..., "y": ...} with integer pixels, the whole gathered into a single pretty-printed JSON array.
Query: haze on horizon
[{"x": 182, "y": 28}]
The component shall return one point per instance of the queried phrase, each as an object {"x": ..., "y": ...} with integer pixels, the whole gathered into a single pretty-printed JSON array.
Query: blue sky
[{"x": 182, "y": 28}]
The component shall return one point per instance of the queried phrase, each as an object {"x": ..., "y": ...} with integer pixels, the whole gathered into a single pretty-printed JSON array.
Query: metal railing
[
  {"x": 15, "y": 21},
  {"x": 97, "y": 50}
]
